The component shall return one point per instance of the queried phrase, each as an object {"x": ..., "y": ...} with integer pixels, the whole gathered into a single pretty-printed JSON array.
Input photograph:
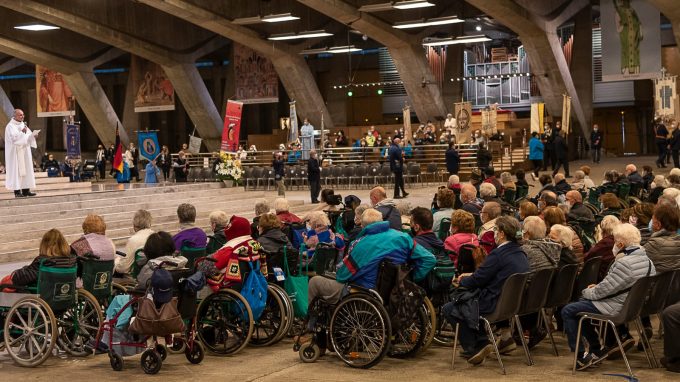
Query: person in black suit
[
  {"x": 661, "y": 139},
  {"x": 397, "y": 168},
  {"x": 181, "y": 167},
  {"x": 675, "y": 146},
  {"x": 561, "y": 154},
  {"x": 110, "y": 152},
  {"x": 314, "y": 176},
  {"x": 452, "y": 159},
  {"x": 165, "y": 162},
  {"x": 596, "y": 143}
]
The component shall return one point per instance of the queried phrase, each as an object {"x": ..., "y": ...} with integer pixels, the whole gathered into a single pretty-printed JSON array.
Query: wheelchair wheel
[
  {"x": 194, "y": 353},
  {"x": 79, "y": 324},
  {"x": 409, "y": 340},
  {"x": 272, "y": 323},
  {"x": 431, "y": 313},
  {"x": 224, "y": 322},
  {"x": 30, "y": 331},
  {"x": 151, "y": 361},
  {"x": 290, "y": 312},
  {"x": 118, "y": 289},
  {"x": 162, "y": 351},
  {"x": 116, "y": 361},
  {"x": 443, "y": 331},
  {"x": 178, "y": 345},
  {"x": 309, "y": 353},
  {"x": 360, "y": 331}
]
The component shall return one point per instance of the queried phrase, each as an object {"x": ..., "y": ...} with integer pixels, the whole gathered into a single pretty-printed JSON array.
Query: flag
[
  {"x": 232, "y": 126},
  {"x": 293, "y": 133},
  {"x": 566, "y": 113},
  {"x": 537, "y": 117},
  {"x": 73, "y": 141},
  {"x": 665, "y": 96},
  {"x": 406, "y": 115},
  {"x": 148, "y": 144},
  {"x": 118, "y": 154}
]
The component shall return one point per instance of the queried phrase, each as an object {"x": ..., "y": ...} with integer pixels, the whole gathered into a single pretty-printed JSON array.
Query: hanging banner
[
  {"x": 148, "y": 144},
  {"x": 566, "y": 113},
  {"x": 408, "y": 134},
  {"x": 73, "y": 141},
  {"x": 153, "y": 89},
  {"x": 665, "y": 97},
  {"x": 631, "y": 42},
  {"x": 537, "y": 110},
  {"x": 489, "y": 118},
  {"x": 293, "y": 133},
  {"x": 462, "y": 111},
  {"x": 232, "y": 126},
  {"x": 194, "y": 144},
  {"x": 255, "y": 77},
  {"x": 55, "y": 98}
]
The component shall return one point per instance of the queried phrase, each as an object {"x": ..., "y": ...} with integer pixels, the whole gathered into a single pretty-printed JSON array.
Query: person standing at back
[
  {"x": 314, "y": 176},
  {"x": 101, "y": 161},
  {"x": 452, "y": 159},
  {"x": 536, "y": 153},
  {"x": 397, "y": 168},
  {"x": 674, "y": 144},
  {"x": 661, "y": 139},
  {"x": 561, "y": 154},
  {"x": 596, "y": 143},
  {"x": 279, "y": 173}
]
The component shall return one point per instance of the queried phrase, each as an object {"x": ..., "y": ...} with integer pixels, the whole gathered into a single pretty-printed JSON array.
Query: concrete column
[
  {"x": 582, "y": 62},
  {"x": 453, "y": 91},
  {"x": 130, "y": 118}
]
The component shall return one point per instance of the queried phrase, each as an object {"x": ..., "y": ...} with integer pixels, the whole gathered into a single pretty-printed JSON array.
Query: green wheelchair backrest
[
  {"x": 509, "y": 196},
  {"x": 57, "y": 285},
  {"x": 444, "y": 228},
  {"x": 594, "y": 196},
  {"x": 522, "y": 192},
  {"x": 325, "y": 258},
  {"x": 136, "y": 266},
  {"x": 214, "y": 244},
  {"x": 623, "y": 190},
  {"x": 192, "y": 254},
  {"x": 97, "y": 276}
]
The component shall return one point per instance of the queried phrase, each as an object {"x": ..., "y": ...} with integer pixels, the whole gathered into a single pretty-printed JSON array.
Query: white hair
[
  {"x": 261, "y": 207},
  {"x": 318, "y": 219},
  {"x": 454, "y": 179},
  {"x": 370, "y": 216},
  {"x": 281, "y": 205},
  {"x": 534, "y": 227},
  {"x": 608, "y": 224},
  {"x": 674, "y": 171},
  {"x": 506, "y": 177},
  {"x": 562, "y": 234},
  {"x": 487, "y": 189},
  {"x": 659, "y": 181},
  {"x": 627, "y": 234}
]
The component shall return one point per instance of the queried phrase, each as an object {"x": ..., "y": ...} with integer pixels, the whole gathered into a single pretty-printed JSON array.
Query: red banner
[{"x": 232, "y": 126}]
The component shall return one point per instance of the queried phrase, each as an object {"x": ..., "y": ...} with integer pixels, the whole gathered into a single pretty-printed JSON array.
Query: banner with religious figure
[
  {"x": 55, "y": 98},
  {"x": 537, "y": 115},
  {"x": 232, "y": 126},
  {"x": 194, "y": 144},
  {"x": 462, "y": 111},
  {"x": 631, "y": 42},
  {"x": 665, "y": 96},
  {"x": 148, "y": 144},
  {"x": 255, "y": 77},
  {"x": 293, "y": 133},
  {"x": 408, "y": 134},
  {"x": 566, "y": 114},
  {"x": 489, "y": 120},
  {"x": 73, "y": 141},
  {"x": 153, "y": 89}
]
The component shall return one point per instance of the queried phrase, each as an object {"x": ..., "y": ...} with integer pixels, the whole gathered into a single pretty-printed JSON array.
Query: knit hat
[
  {"x": 238, "y": 226},
  {"x": 476, "y": 174}
]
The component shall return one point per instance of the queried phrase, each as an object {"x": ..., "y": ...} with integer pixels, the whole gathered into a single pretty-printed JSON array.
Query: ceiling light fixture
[
  {"x": 412, "y": 4},
  {"x": 428, "y": 22},
  {"x": 294, "y": 36},
  {"x": 457, "y": 40},
  {"x": 266, "y": 19},
  {"x": 36, "y": 27},
  {"x": 407, "y": 4},
  {"x": 478, "y": 28},
  {"x": 343, "y": 49}
]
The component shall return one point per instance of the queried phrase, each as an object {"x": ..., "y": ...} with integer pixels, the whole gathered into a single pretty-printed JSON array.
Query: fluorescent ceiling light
[
  {"x": 376, "y": 7},
  {"x": 457, "y": 40},
  {"x": 343, "y": 49},
  {"x": 36, "y": 27},
  {"x": 293, "y": 36},
  {"x": 279, "y": 18},
  {"x": 314, "y": 51},
  {"x": 428, "y": 22},
  {"x": 411, "y": 4}
]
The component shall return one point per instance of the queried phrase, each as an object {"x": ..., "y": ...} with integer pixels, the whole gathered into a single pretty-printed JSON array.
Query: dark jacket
[
  {"x": 655, "y": 194},
  {"x": 217, "y": 240},
  {"x": 580, "y": 211},
  {"x": 464, "y": 307},
  {"x": 635, "y": 177},
  {"x": 396, "y": 159},
  {"x": 603, "y": 250},
  {"x": 661, "y": 132},
  {"x": 390, "y": 213},
  {"x": 675, "y": 140},
  {"x": 483, "y": 157},
  {"x": 561, "y": 149},
  {"x": 313, "y": 170},
  {"x": 562, "y": 187},
  {"x": 430, "y": 241},
  {"x": 28, "y": 274},
  {"x": 596, "y": 139},
  {"x": 663, "y": 248},
  {"x": 279, "y": 169},
  {"x": 273, "y": 240},
  {"x": 567, "y": 257},
  {"x": 452, "y": 161},
  {"x": 502, "y": 262}
]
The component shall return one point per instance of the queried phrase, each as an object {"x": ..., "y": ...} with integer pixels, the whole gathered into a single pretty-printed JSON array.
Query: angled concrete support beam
[
  {"x": 292, "y": 69},
  {"x": 671, "y": 10},
  {"x": 406, "y": 51},
  {"x": 178, "y": 67},
  {"x": 544, "y": 53},
  {"x": 6, "y": 108}
]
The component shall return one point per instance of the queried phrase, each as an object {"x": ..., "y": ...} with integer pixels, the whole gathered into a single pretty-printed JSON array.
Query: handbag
[
  {"x": 296, "y": 287},
  {"x": 158, "y": 322},
  {"x": 254, "y": 290}
]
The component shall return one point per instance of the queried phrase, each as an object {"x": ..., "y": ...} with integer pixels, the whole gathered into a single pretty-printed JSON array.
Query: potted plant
[{"x": 229, "y": 170}]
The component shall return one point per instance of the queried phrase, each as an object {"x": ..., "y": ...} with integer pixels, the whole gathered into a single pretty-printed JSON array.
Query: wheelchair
[{"x": 51, "y": 313}]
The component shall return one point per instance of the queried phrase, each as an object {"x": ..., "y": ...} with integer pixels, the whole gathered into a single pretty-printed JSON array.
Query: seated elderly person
[
  {"x": 508, "y": 183},
  {"x": 542, "y": 252},
  {"x": 577, "y": 210},
  {"x": 640, "y": 216},
  {"x": 445, "y": 198},
  {"x": 453, "y": 183},
  {"x": 376, "y": 242},
  {"x": 141, "y": 224},
  {"x": 490, "y": 212},
  {"x": 352, "y": 235},
  {"x": 663, "y": 247},
  {"x": 563, "y": 235},
  {"x": 386, "y": 206},
  {"x": 94, "y": 240},
  {"x": 561, "y": 185},
  {"x": 527, "y": 209},
  {"x": 586, "y": 180},
  {"x": 545, "y": 200},
  {"x": 555, "y": 215},
  {"x": 471, "y": 204},
  {"x": 319, "y": 232},
  {"x": 159, "y": 247},
  {"x": 282, "y": 209},
  {"x": 607, "y": 297},
  {"x": 546, "y": 182},
  {"x": 271, "y": 237},
  {"x": 189, "y": 236},
  {"x": 218, "y": 222},
  {"x": 603, "y": 248},
  {"x": 632, "y": 174},
  {"x": 462, "y": 232},
  {"x": 488, "y": 193},
  {"x": 421, "y": 227},
  {"x": 404, "y": 209},
  {"x": 507, "y": 259},
  {"x": 609, "y": 205},
  {"x": 579, "y": 183},
  {"x": 261, "y": 207},
  {"x": 656, "y": 189}
]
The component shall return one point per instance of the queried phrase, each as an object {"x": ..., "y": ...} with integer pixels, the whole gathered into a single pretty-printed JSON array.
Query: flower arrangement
[{"x": 229, "y": 168}]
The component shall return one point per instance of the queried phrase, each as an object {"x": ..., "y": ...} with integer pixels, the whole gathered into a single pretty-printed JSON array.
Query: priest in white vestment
[
  {"x": 19, "y": 140},
  {"x": 307, "y": 138}
]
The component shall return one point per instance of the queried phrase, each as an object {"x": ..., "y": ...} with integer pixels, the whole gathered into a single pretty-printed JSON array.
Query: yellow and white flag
[
  {"x": 537, "y": 110},
  {"x": 566, "y": 113}
]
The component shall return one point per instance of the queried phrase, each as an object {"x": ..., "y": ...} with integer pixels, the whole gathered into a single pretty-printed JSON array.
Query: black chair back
[
  {"x": 634, "y": 302},
  {"x": 536, "y": 291},
  {"x": 588, "y": 275},
  {"x": 673, "y": 290},
  {"x": 658, "y": 291},
  {"x": 508, "y": 304},
  {"x": 444, "y": 228},
  {"x": 561, "y": 286}
]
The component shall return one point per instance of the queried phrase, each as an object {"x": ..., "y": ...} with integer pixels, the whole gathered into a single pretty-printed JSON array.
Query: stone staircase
[
  {"x": 25, "y": 220},
  {"x": 48, "y": 186}
]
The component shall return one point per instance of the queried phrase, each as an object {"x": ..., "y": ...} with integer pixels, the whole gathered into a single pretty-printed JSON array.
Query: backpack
[
  {"x": 470, "y": 257},
  {"x": 254, "y": 290}
]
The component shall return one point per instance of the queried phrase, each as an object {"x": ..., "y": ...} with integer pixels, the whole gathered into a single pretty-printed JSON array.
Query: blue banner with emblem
[
  {"x": 148, "y": 145},
  {"x": 73, "y": 141}
]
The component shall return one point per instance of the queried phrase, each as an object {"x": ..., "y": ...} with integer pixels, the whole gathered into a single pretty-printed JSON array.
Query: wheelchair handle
[
  {"x": 168, "y": 263},
  {"x": 119, "y": 253},
  {"x": 90, "y": 256}
]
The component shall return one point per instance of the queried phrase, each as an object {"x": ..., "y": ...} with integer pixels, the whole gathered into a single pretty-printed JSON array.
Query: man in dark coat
[
  {"x": 314, "y": 176},
  {"x": 452, "y": 160},
  {"x": 561, "y": 154},
  {"x": 549, "y": 148},
  {"x": 675, "y": 146},
  {"x": 397, "y": 168},
  {"x": 484, "y": 157},
  {"x": 661, "y": 139},
  {"x": 577, "y": 210},
  {"x": 596, "y": 143}
]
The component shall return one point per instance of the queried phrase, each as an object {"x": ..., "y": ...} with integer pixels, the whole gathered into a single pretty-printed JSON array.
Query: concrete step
[
  {"x": 55, "y": 179},
  {"x": 37, "y": 175},
  {"x": 49, "y": 192},
  {"x": 54, "y": 187}
]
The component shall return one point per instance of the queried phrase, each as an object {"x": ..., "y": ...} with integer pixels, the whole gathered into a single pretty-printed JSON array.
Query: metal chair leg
[
  {"x": 530, "y": 361},
  {"x": 623, "y": 353},
  {"x": 489, "y": 333},
  {"x": 455, "y": 344},
  {"x": 646, "y": 346},
  {"x": 546, "y": 322},
  {"x": 578, "y": 342}
]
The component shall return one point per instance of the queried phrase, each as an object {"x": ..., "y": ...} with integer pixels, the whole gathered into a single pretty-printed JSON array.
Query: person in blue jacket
[
  {"x": 536, "y": 153},
  {"x": 151, "y": 173}
]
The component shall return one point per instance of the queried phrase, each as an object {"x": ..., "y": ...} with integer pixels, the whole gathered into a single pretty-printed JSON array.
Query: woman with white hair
[
  {"x": 261, "y": 208},
  {"x": 657, "y": 187},
  {"x": 318, "y": 231},
  {"x": 282, "y": 209},
  {"x": 607, "y": 297},
  {"x": 542, "y": 253},
  {"x": 508, "y": 183},
  {"x": 564, "y": 236},
  {"x": 603, "y": 248},
  {"x": 579, "y": 183}
]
